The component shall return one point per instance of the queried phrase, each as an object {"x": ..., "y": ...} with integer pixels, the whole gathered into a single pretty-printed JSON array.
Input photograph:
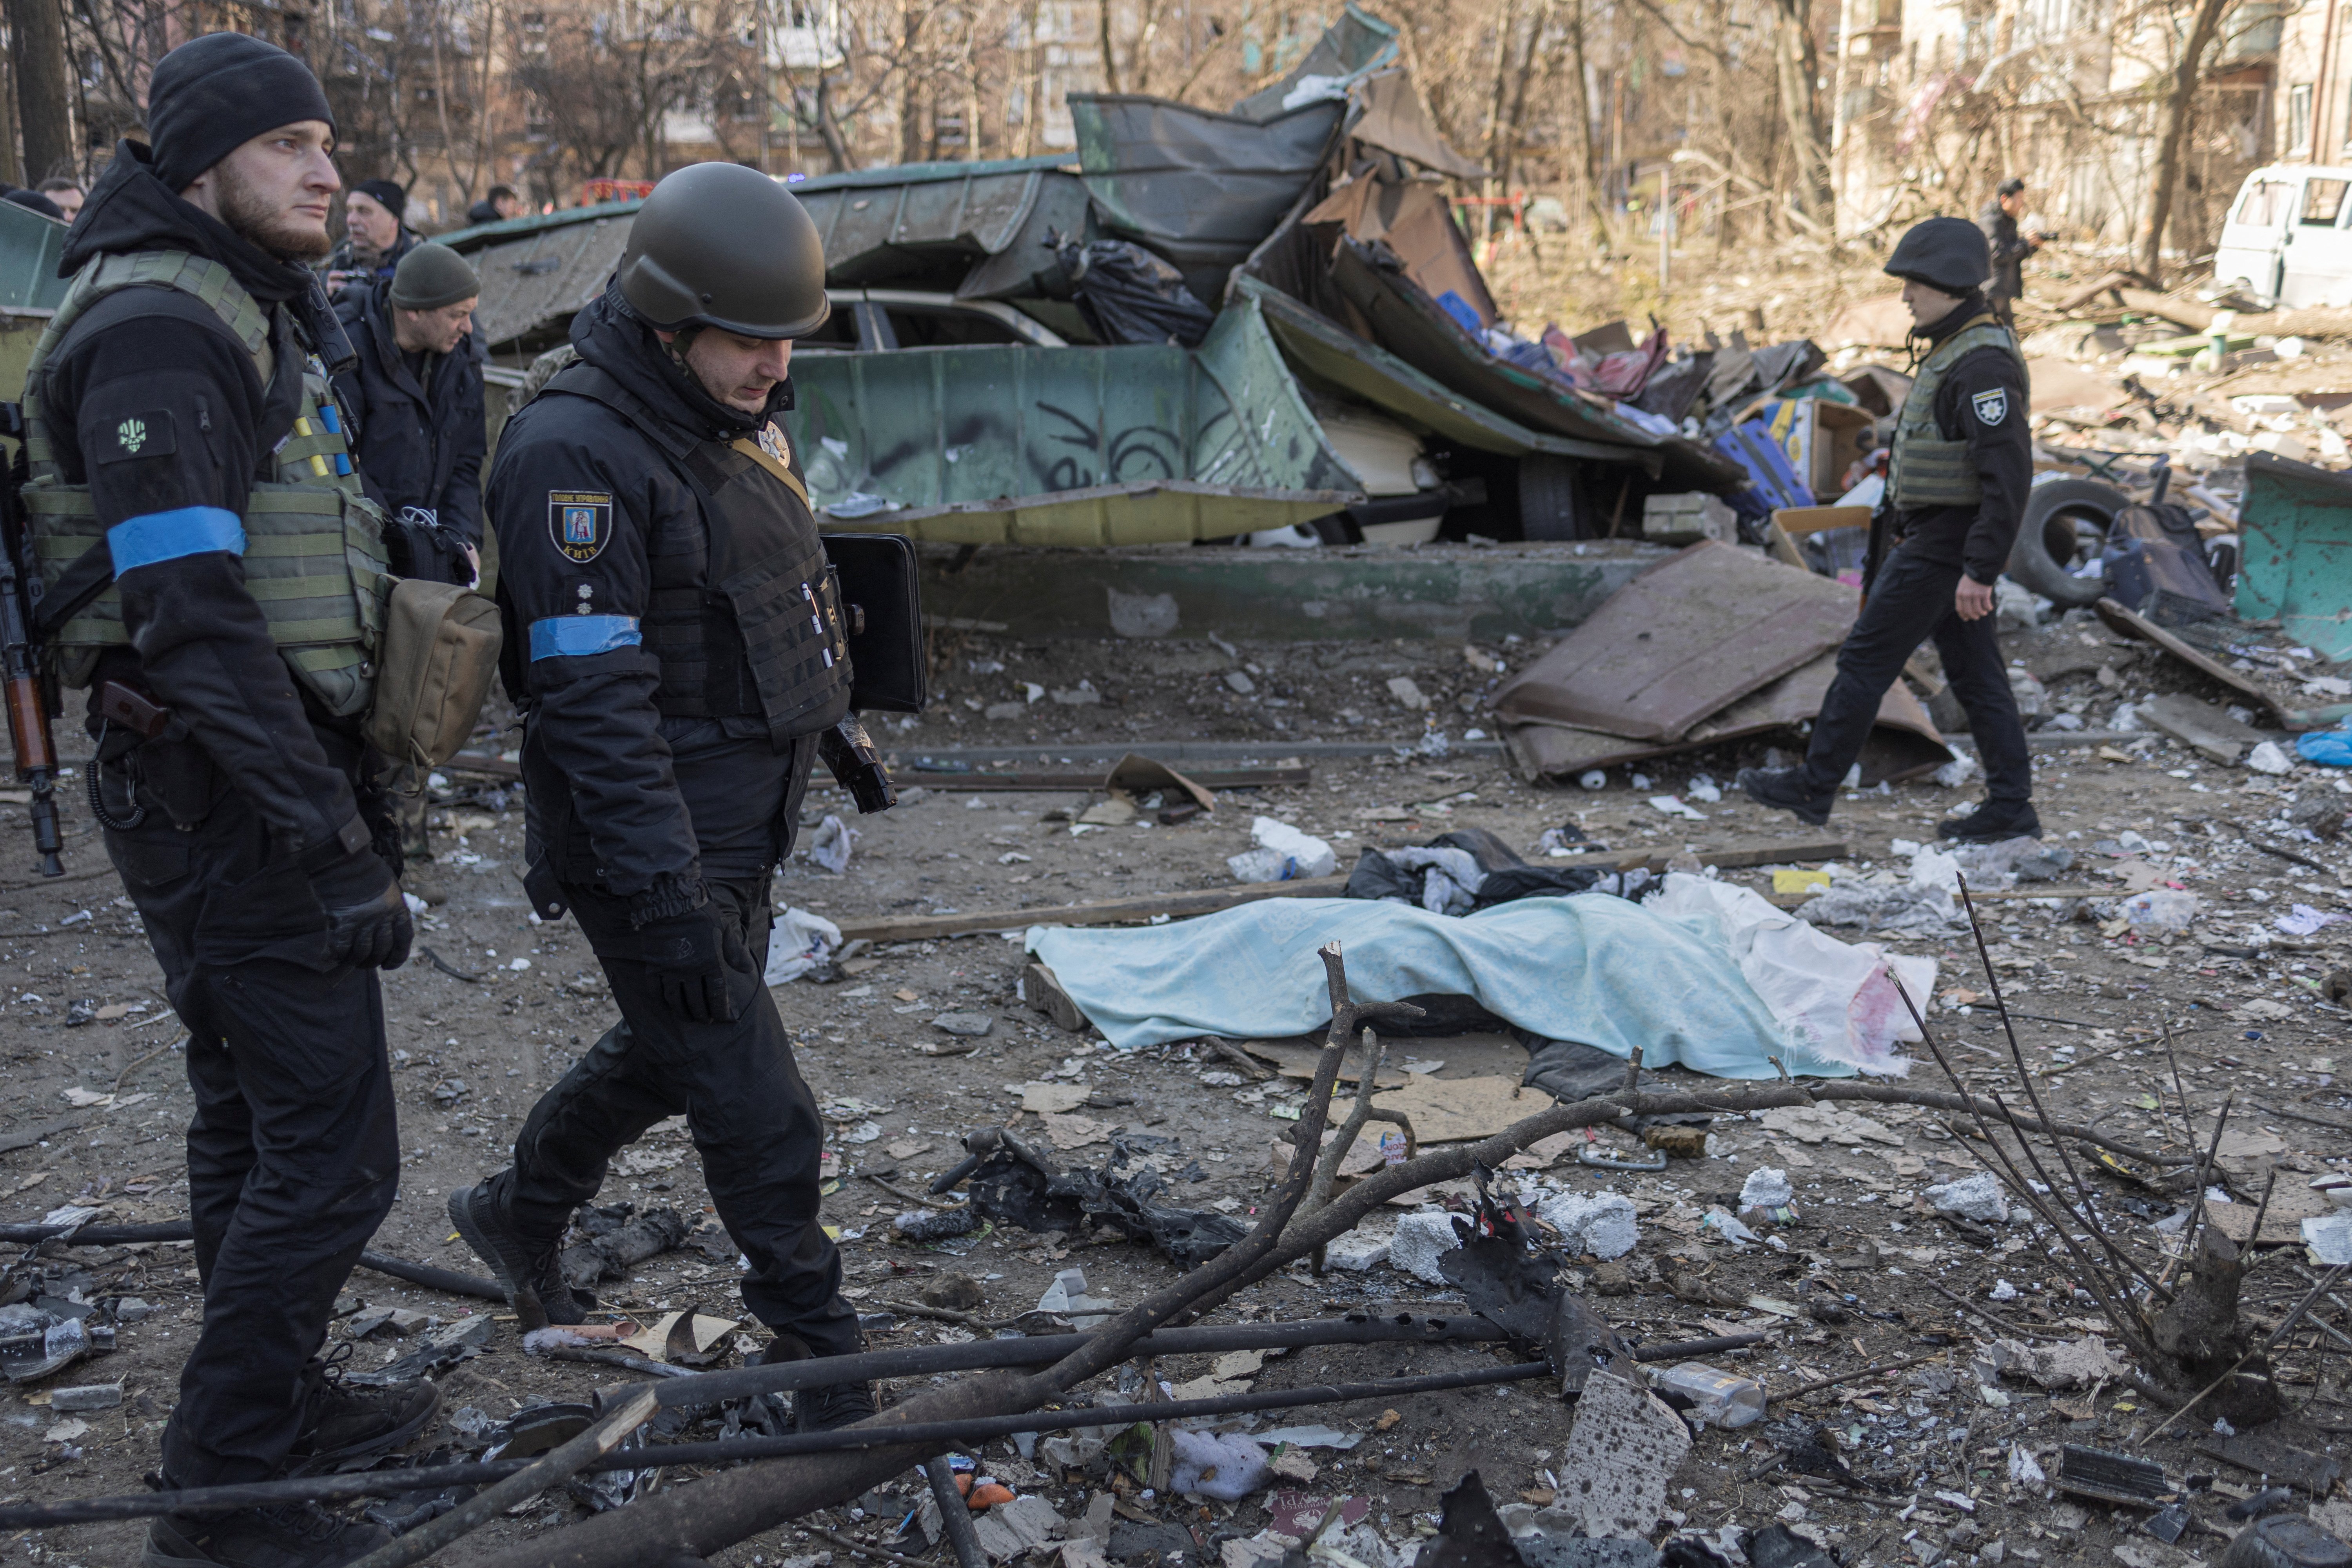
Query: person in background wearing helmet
[
  {"x": 1955, "y": 487},
  {"x": 675, "y": 644}
]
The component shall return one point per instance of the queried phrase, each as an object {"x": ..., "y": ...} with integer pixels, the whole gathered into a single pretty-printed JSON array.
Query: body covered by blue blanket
[{"x": 1592, "y": 968}]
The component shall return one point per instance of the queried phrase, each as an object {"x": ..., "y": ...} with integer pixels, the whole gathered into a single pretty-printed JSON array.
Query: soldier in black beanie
[{"x": 242, "y": 824}]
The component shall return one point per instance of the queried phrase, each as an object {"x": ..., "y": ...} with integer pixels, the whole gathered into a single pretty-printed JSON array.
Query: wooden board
[
  {"x": 2135, "y": 625},
  {"x": 1209, "y": 900},
  {"x": 1207, "y": 778}
]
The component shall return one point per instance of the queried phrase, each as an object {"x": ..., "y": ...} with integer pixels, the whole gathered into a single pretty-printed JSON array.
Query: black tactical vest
[{"x": 744, "y": 612}]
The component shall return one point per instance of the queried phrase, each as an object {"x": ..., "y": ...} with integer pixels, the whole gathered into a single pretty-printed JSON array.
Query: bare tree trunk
[
  {"x": 36, "y": 36},
  {"x": 1800, "y": 72},
  {"x": 1102, "y": 35},
  {"x": 9, "y": 169},
  {"x": 2178, "y": 99},
  {"x": 1584, "y": 159},
  {"x": 1032, "y": 97},
  {"x": 1140, "y": 57},
  {"x": 1496, "y": 159},
  {"x": 828, "y": 127}
]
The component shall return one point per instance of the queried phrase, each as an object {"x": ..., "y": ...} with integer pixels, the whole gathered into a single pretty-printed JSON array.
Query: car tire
[{"x": 2045, "y": 546}]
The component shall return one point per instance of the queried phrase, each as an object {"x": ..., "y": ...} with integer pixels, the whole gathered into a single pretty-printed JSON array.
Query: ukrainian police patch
[
  {"x": 1992, "y": 407},
  {"x": 580, "y": 522}
]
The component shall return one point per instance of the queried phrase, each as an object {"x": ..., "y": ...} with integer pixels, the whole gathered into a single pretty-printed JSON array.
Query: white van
[{"x": 2288, "y": 237}]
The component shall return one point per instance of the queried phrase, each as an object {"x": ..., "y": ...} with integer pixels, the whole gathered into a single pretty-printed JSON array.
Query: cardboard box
[{"x": 1823, "y": 439}]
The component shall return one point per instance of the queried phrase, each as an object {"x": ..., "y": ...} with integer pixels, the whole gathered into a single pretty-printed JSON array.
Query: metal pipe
[
  {"x": 447, "y": 1280},
  {"x": 955, "y": 1514},
  {"x": 383, "y": 1483}
]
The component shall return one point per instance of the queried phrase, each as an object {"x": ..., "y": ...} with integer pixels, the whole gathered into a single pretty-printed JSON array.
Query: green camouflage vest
[
  {"x": 1926, "y": 469},
  {"x": 314, "y": 558}
]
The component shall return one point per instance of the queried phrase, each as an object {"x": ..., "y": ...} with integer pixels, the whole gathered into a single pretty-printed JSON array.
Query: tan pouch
[{"x": 433, "y": 666}]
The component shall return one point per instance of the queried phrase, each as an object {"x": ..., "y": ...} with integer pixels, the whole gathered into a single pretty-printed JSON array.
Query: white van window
[
  {"x": 2264, "y": 204},
  {"x": 2322, "y": 200}
]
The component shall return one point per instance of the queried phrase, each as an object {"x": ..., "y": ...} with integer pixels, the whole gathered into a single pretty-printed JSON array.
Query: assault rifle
[{"x": 26, "y": 693}]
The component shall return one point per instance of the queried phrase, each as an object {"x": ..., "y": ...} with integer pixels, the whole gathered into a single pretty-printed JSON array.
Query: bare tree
[{"x": 2204, "y": 26}]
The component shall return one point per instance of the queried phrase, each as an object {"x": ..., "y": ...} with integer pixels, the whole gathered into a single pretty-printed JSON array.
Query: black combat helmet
[
  {"x": 1947, "y": 253},
  {"x": 719, "y": 244}
]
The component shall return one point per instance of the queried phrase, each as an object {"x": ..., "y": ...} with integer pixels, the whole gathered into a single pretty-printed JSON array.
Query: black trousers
[
  {"x": 1910, "y": 602},
  {"x": 751, "y": 1116},
  {"x": 294, "y": 1149}
]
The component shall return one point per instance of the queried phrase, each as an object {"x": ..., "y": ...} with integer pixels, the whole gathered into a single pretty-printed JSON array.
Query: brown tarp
[
  {"x": 1904, "y": 743},
  {"x": 1413, "y": 218},
  {"x": 1683, "y": 641},
  {"x": 1391, "y": 116}
]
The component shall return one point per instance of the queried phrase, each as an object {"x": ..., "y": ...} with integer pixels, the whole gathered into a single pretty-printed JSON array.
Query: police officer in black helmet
[
  {"x": 677, "y": 646},
  {"x": 1955, "y": 490}
]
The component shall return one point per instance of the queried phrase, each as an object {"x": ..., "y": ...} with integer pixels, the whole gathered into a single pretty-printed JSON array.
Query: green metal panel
[
  {"x": 2295, "y": 532},
  {"x": 1137, "y": 444}
]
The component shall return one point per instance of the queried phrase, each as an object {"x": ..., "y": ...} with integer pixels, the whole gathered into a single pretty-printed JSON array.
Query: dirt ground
[{"x": 83, "y": 1017}]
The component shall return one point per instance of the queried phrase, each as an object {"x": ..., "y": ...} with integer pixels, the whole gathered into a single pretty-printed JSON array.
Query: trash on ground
[{"x": 1283, "y": 854}]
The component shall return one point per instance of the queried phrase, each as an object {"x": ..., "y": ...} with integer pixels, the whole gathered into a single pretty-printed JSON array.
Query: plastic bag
[
  {"x": 1129, "y": 296},
  {"x": 2328, "y": 748},
  {"x": 798, "y": 943},
  {"x": 2161, "y": 909},
  {"x": 1283, "y": 855}
]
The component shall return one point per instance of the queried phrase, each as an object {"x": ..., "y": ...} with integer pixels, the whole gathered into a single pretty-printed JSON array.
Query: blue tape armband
[
  {"x": 575, "y": 636},
  {"x": 169, "y": 535}
]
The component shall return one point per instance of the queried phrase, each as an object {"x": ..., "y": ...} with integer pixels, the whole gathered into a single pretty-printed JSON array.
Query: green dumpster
[{"x": 2295, "y": 529}]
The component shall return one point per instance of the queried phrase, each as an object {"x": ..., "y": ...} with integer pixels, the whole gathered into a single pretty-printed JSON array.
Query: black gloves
[
  {"x": 367, "y": 918},
  {"x": 698, "y": 963}
]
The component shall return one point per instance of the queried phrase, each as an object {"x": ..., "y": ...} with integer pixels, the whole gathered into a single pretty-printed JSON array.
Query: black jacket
[
  {"x": 619, "y": 795},
  {"x": 164, "y": 359},
  {"x": 1983, "y": 400},
  {"x": 417, "y": 444},
  {"x": 2010, "y": 250}
]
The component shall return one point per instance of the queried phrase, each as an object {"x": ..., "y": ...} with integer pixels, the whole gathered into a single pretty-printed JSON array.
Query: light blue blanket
[{"x": 1592, "y": 968}]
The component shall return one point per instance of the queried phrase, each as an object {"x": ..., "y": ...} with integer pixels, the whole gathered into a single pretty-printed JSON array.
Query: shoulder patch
[
  {"x": 772, "y": 441},
  {"x": 580, "y": 522},
  {"x": 1992, "y": 407},
  {"x": 150, "y": 433}
]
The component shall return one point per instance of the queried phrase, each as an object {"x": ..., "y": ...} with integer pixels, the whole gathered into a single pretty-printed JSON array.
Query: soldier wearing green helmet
[{"x": 677, "y": 645}]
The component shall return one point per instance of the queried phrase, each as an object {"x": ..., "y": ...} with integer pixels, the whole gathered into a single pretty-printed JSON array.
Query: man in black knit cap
[
  {"x": 377, "y": 236},
  {"x": 1955, "y": 486},
  {"x": 183, "y": 371}
]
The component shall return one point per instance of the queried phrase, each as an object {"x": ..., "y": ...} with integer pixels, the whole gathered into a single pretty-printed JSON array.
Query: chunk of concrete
[
  {"x": 1420, "y": 1239},
  {"x": 1601, "y": 1224},
  {"x": 1010, "y": 1529},
  {"x": 1979, "y": 1197},
  {"x": 1623, "y": 1450},
  {"x": 1356, "y": 1251}
]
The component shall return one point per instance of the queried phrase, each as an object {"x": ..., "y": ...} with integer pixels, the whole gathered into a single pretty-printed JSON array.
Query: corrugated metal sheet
[
  {"x": 1327, "y": 353},
  {"x": 539, "y": 277},
  {"x": 974, "y": 228},
  {"x": 1129, "y": 444},
  {"x": 1413, "y": 326}
]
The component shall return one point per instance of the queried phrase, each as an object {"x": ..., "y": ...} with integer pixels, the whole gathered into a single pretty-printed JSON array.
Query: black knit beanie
[
  {"x": 385, "y": 194},
  {"x": 211, "y": 95}
]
